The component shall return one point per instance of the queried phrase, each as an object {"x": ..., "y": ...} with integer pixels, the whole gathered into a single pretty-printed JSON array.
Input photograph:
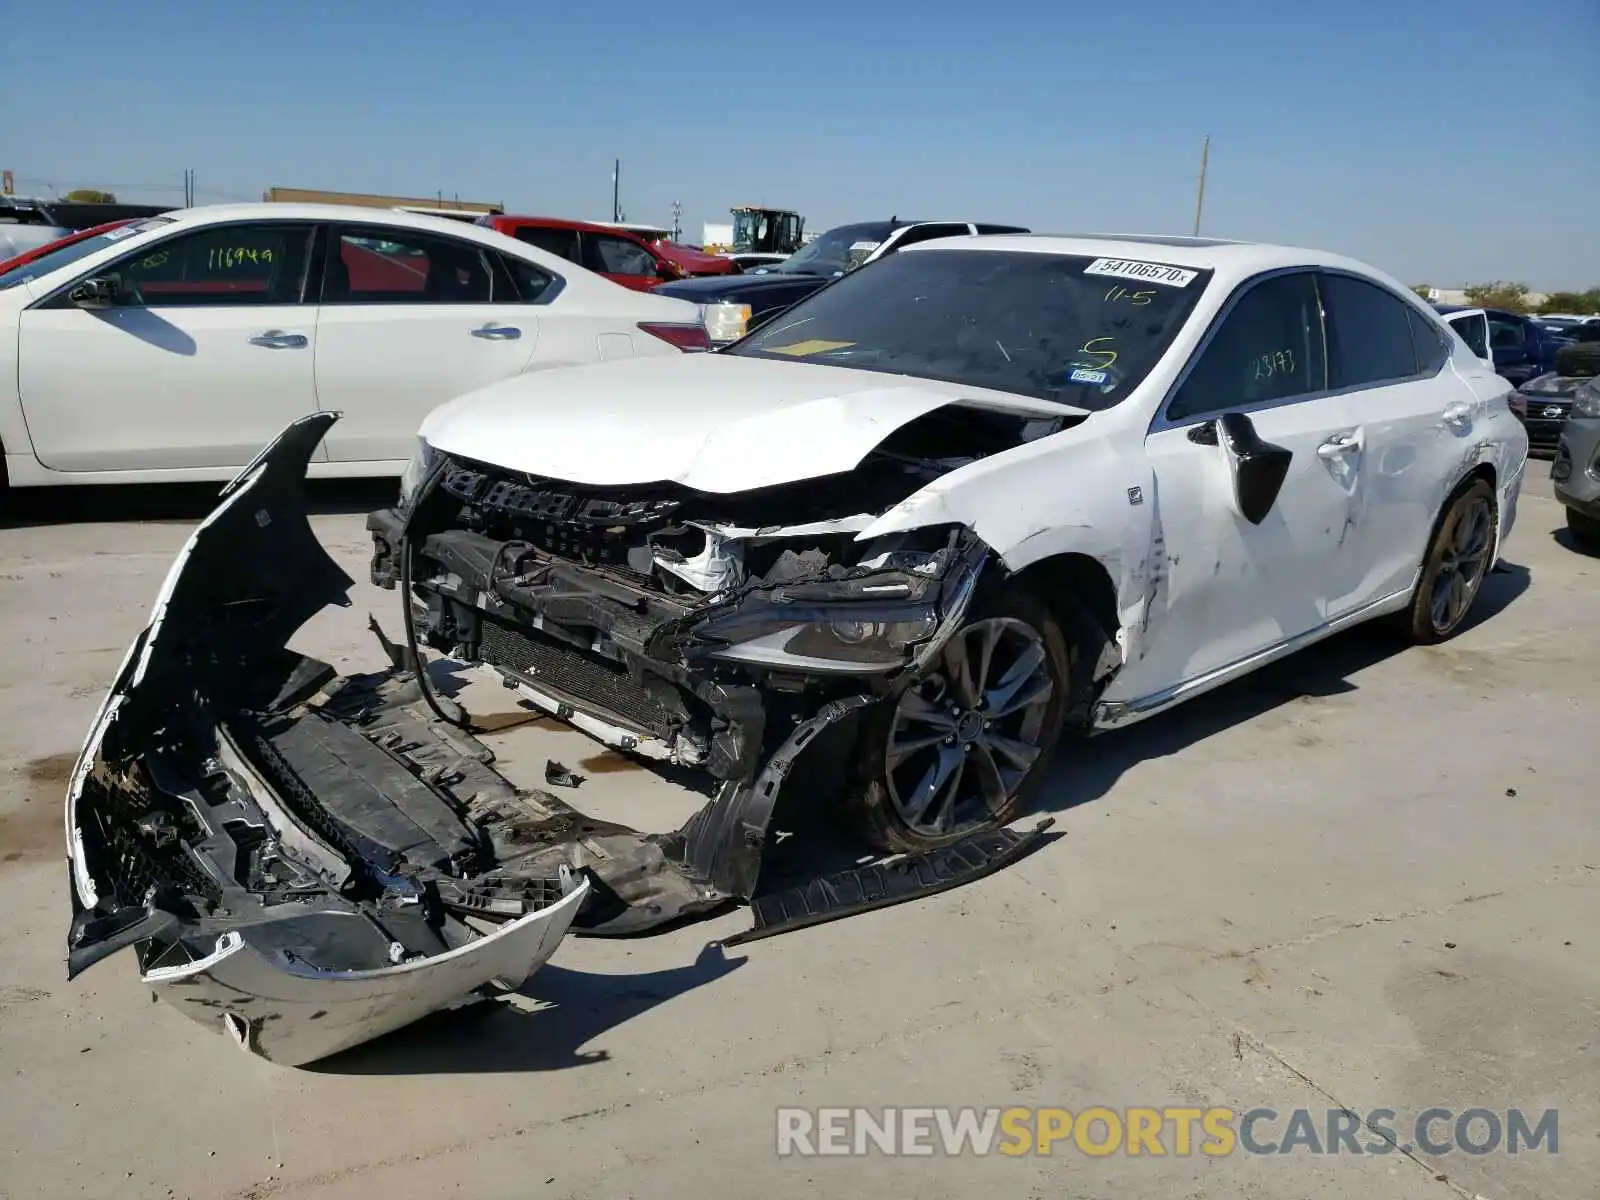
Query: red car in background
[
  {"x": 77, "y": 235},
  {"x": 618, "y": 254}
]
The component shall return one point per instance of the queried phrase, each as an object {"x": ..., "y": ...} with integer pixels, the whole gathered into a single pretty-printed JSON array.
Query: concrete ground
[{"x": 1368, "y": 877}]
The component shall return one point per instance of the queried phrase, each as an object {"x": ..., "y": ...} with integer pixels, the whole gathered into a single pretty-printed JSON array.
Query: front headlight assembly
[
  {"x": 897, "y": 615},
  {"x": 1586, "y": 403},
  {"x": 416, "y": 471},
  {"x": 857, "y": 639}
]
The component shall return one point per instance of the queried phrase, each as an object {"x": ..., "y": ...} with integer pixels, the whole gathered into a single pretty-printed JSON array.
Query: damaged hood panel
[{"x": 712, "y": 422}]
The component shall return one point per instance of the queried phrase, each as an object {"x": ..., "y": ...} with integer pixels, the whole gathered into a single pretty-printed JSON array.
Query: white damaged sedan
[
  {"x": 1003, "y": 486},
  {"x": 894, "y": 544}
]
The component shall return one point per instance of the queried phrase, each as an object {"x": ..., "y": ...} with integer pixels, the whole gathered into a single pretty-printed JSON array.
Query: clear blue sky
[{"x": 1446, "y": 142}]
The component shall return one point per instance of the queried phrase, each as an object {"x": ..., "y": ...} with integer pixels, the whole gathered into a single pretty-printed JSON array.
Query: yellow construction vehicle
[{"x": 757, "y": 231}]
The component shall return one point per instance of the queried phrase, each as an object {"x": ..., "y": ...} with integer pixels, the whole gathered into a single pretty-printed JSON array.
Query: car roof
[
  {"x": 209, "y": 213},
  {"x": 1228, "y": 259},
  {"x": 497, "y": 219},
  {"x": 1446, "y": 309}
]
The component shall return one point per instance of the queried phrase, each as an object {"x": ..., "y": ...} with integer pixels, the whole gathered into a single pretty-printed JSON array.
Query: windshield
[
  {"x": 71, "y": 253},
  {"x": 1072, "y": 329},
  {"x": 837, "y": 251}
]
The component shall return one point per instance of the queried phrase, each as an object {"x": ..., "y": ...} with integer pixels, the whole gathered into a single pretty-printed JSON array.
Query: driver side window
[
  {"x": 1269, "y": 347},
  {"x": 219, "y": 265}
]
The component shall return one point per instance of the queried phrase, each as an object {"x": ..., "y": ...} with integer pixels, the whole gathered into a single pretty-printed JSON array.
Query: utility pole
[
  {"x": 1200, "y": 191},
  {"x": 616, "y": 196},
  {"x": 677, "y": 220}
]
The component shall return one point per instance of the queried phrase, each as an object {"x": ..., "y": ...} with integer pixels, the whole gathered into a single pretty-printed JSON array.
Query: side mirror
[
  {"x": 1258, "y": 468},
  {"x": 99, "y": 291}
]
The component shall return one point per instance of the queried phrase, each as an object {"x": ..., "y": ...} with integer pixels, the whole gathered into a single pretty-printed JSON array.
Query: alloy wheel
[
  {"x": 965, "y": 736},
  {"x": 1463, "y": 565}
]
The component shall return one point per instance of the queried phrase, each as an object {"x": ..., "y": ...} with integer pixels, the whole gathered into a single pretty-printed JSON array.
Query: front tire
[
  {"x": 967, "y": 746},
  {"x": 1453, "y": 571},
  {"x": 1585, "y": 530}
]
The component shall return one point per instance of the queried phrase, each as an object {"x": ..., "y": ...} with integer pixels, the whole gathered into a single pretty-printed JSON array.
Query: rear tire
[
  {"x": 1458, "y": 560},
  {"x": 968, "y": 745},
  {"x": 1585, "y": 530}
]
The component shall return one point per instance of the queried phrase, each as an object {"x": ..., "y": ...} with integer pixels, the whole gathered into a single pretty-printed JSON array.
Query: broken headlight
[
  {"x": 866, "y": 641},
  {"x": 416, "y": 471}
]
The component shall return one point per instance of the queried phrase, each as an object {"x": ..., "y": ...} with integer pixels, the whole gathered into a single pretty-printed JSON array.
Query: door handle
[
  {"x": 277, "y": 339},
  {"x": 1458, "y": 413},
  {"x": 1339, "y": 443},
  {"x": 497, "y": 333}
]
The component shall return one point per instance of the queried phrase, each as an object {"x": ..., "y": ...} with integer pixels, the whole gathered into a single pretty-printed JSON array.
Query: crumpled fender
[{"x": 1102, "y": 505}]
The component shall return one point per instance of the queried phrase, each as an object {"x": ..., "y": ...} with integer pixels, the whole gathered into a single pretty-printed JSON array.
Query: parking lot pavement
[{"x": 1367, "y": 877}]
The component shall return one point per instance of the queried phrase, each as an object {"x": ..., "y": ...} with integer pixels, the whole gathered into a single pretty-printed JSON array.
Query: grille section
[{"x": 593, "y": 682}]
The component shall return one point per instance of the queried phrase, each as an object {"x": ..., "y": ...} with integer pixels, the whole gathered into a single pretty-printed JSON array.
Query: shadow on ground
[
  {"x": 177, "y": 503},
  {"x": 499, "y": 1036},
  {"x": 1088, "y": 769},
  {"x": 1568, "y": 541}
]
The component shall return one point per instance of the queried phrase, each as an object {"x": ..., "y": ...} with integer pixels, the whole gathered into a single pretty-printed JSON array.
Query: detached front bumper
[
  {"x": 306, "y": 861},
  {"x": 300, "y": 860}
]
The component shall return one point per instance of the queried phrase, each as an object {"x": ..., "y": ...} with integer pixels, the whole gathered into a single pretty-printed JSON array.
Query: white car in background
[{"x": 176, "y": 347}]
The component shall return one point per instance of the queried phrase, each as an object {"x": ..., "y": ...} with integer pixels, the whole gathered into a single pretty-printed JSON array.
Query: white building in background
[{"x": 1457, "y": 296}]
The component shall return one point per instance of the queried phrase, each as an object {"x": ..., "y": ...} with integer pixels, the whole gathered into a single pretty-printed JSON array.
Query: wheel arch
[
  {"x": 1081, "y": 594},
  {"x": 1482, "y": 469}
]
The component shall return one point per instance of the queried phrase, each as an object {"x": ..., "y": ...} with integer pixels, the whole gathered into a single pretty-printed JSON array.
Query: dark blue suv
[{"x": 1522, "y": 348}]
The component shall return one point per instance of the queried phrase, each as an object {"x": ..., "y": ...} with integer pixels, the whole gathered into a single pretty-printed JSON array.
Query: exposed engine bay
[
  {"x": 688, "y": 626},
  {"x": 313, "y": 860}
]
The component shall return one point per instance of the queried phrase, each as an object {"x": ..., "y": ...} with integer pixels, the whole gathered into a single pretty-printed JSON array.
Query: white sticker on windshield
[
  {"x": 865, "y": 245},
  {"x": 1085, "y": 375},
  {"x": 1124, "y": 268},
  {"x": 120, "y": 232}
]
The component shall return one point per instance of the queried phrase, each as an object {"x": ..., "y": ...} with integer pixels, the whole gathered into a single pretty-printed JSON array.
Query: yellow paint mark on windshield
[
  {"x": 1092, "y": 347},
  {"x": 813, "y": 346}
]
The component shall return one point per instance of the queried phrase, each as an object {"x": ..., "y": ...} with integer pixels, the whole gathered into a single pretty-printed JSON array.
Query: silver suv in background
[{"x": 1576, "y": 471}]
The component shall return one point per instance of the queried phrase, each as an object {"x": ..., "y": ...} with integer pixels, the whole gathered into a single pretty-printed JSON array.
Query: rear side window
[
  {"x": 1369, "y": 333},
  {"x": 226, "y": 264},
  {"x": 1433, "y": 350},
  {"x": 1474, "y": 331},
  {"x": 532, "y": 283},
  {"x": 1268, "y": 347},
  {"x": 403, "y": 266},
  {"x": 563, "y": 243}
]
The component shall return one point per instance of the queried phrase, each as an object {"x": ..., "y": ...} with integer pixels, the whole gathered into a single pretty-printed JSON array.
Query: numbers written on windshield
[
  {"x": 223, "y": 258},
  {"x": 1122, "y": 293}
]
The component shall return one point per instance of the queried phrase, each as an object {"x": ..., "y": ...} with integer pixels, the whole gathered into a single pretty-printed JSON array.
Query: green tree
[
  {"x": 90, "y": 196},
  {"x": 1513, "y": 297},
  {"x": 1572, "y": 302},
  {"x": 1422, "y": 289}
]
